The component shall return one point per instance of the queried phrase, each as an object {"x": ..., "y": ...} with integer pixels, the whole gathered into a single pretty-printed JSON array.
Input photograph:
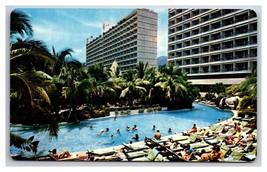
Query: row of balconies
[
  {"x": 119, "y": 47},
  {"x": 209, "y": 27},
  {"x": 123, "y": 68},
  {"x": 182, "y": 21},
  {"x": 202, "y": 60},
  {"x": 212, "y": 47},
  {"x": 115, "y": 41},
  {"x": 112, "y": 42},
  {"x": 120, "y": 58},
  {"x": 251, "y": 39},
  {"x": 122, "y": 27},
  {"x": 192, "y": 13},
  {"x": 252, "y": 27},
  {"x": 113, "y": 54},
  {"x": 237, "y": 67}
]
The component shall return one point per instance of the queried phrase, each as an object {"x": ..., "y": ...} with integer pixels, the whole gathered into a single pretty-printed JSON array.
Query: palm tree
[
  {"x": 173, "y": 86},
  {"x": 141, "y": 69},
  {"x": 22, "y": 143},
  {"x": 20, "y": 24},
  {"x": 61, "y": 58},
  {"x": 249, "y": 91},
  {"x": 69, "y": 73},
  {"x": 30, "y": 70},
  {"x": 30, "y": 54},
  {"x": 114, "y": 70},
  {"x": 132, "y": 86}
]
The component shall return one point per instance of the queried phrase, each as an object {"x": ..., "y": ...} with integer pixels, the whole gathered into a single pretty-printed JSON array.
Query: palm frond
[
  {"x": 24, "y": 144},
  {"x": 20, "y": 23}
]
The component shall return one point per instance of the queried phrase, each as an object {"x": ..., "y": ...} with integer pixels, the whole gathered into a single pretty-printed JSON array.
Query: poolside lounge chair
[
  {"x": 251, "y": 156},
  {"x": 192, "y": 139},
  {"x": 135, "y": 154},
  {"x": 153, "y": 142},
  {"x": 173, "y": 156},
  {"x": 179, "y": 138},
  {"x": 152, "y": 155},
  {"x": 207, "y": 149},
  {"x": 131, "y": 148},
  {"x": 235, "y": 156},
  {"x": 225, "y": 150},
  {"x": 101, "y": 152},
  {"x": 218, "y": 139},
  {"x": 198, "y": 145},
  {"x": 219, "y": 129}
]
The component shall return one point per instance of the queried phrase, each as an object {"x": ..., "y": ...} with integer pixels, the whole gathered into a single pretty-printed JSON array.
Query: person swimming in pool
[
  {"x": 118, "y": 131},
  {"x": 135, "y": 137},
  {"x": 128, "y": 128},
  {"x": 135, "y": 127},
  {"x": 103, "y": 131}
]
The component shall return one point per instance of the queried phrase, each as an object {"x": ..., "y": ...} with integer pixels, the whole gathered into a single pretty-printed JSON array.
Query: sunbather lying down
[{"x": 64, "y": 154}]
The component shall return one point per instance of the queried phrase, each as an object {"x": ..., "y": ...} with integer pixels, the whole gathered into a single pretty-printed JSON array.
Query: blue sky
[{"x": 69, "y": 27}]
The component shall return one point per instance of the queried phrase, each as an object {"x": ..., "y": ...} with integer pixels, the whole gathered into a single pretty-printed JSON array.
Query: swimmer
[
  {"x": 101, "y": 132},
  {"x": 107, "y": 130},
  {"x": 135, "y": 137},
  {"x": 90, "y": 126},
  {"x": 112, "y": 136},
  {"x": 118, "y": 131},
  {"x": 170, "y": 130},
  {"x": 134, "y": 128},
  {"x": 128, "y": 128},
  {"x": 154, "y": 127}
]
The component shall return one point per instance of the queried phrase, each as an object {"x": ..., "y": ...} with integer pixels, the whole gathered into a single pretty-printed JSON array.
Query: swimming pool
[{"x": 81, "y": 137}]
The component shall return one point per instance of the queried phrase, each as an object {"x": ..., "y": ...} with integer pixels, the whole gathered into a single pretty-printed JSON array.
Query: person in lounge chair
[
  {"x": 64, "y": 154},
  {"x": 216, "y": 154},
  {"x": 186, "y": 155},
  {"x": 204, "y": 156},
  {"x": 193, "y": 129},
  {"x": 157, "y": 135},
  {"x": 174, "y": 145},
  {"x": 167, "y": 144}
]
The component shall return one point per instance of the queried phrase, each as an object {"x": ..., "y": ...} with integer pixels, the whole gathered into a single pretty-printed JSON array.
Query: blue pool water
[{"x": 81, "y": 137}]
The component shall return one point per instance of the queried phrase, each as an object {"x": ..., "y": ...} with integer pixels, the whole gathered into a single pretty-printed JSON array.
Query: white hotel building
[
  {"x": 133, "y": 39},
  {"x": 213, "y": 45}
]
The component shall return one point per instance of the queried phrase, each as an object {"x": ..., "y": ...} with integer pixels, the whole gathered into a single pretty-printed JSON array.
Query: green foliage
[
  {"x": 24, "y": 144},
  {"x": 210, "y": 96},
  {"x": 218, "y": 88},
  {"x": 142, "y": 110},
  {"x": 232, "y": 90},
  {"x": 218, "y": 98},
  {"x": 116, "y": 112},
  {"x": 128, "y": 112}
]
